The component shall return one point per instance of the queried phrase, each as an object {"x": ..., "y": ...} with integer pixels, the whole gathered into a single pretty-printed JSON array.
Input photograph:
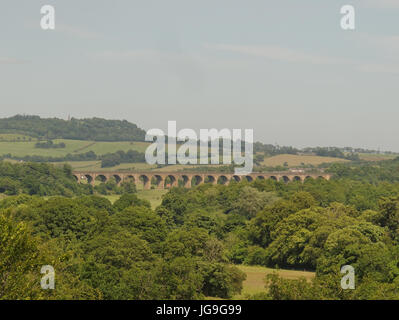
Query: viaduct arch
[{"x": 163, "y": 180}]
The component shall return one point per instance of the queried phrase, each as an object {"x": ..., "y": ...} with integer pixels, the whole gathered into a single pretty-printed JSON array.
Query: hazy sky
[{"x": 284, "y": 68}]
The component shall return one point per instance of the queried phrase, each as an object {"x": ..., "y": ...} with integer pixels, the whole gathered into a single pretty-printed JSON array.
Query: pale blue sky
[{"x": 284, "y": 68}]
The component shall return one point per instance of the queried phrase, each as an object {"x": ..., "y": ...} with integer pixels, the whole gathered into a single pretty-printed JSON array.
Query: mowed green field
[
  {"x": 255, "y": 282},
  {"x": 24, "y": 148}
]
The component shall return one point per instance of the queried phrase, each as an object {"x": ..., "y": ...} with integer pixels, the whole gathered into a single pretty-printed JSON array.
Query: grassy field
[
  {"x": 20, "y": 148},
  {"x": 24, "y": 148},
  {"x": 376, "y": 157},
  {"x": 154, "y": 196},
  {"x": 15, "y": 137},
  {"x": 109, "y": 147},
  {"x": 298, "y": 160},
  {"x": 256, "y": 275}
]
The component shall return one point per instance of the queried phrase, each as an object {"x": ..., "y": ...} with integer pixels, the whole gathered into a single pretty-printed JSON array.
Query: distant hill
[{"x": 94, "y": 129}]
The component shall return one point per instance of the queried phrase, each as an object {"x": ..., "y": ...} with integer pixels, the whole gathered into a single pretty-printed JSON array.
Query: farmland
[
  {"x": 376, "y": 157},
  {"x": 25, "y": 148},
  {"x": 255, "y": 281},
  {"x": 298, "y": 160},
  {"x": 20, "y": 146}
]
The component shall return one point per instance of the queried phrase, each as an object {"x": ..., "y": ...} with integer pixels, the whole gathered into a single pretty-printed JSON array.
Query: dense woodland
[
  {"x": 94, "y": 129},
  {"x": 187, "y": 247},
  {"x": 39, "y": 179}
]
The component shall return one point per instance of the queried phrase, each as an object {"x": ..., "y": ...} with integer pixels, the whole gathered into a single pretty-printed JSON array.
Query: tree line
[{"x": 49, "y": 144}]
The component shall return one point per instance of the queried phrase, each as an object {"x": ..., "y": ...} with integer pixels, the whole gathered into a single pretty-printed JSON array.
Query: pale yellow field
[
  {"x": 255, "y": 278},
  {"x": 297, "y": 160}
]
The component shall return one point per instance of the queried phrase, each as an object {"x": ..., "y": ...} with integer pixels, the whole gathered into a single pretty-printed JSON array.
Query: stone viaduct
[{"x": 163, "y": 180}]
